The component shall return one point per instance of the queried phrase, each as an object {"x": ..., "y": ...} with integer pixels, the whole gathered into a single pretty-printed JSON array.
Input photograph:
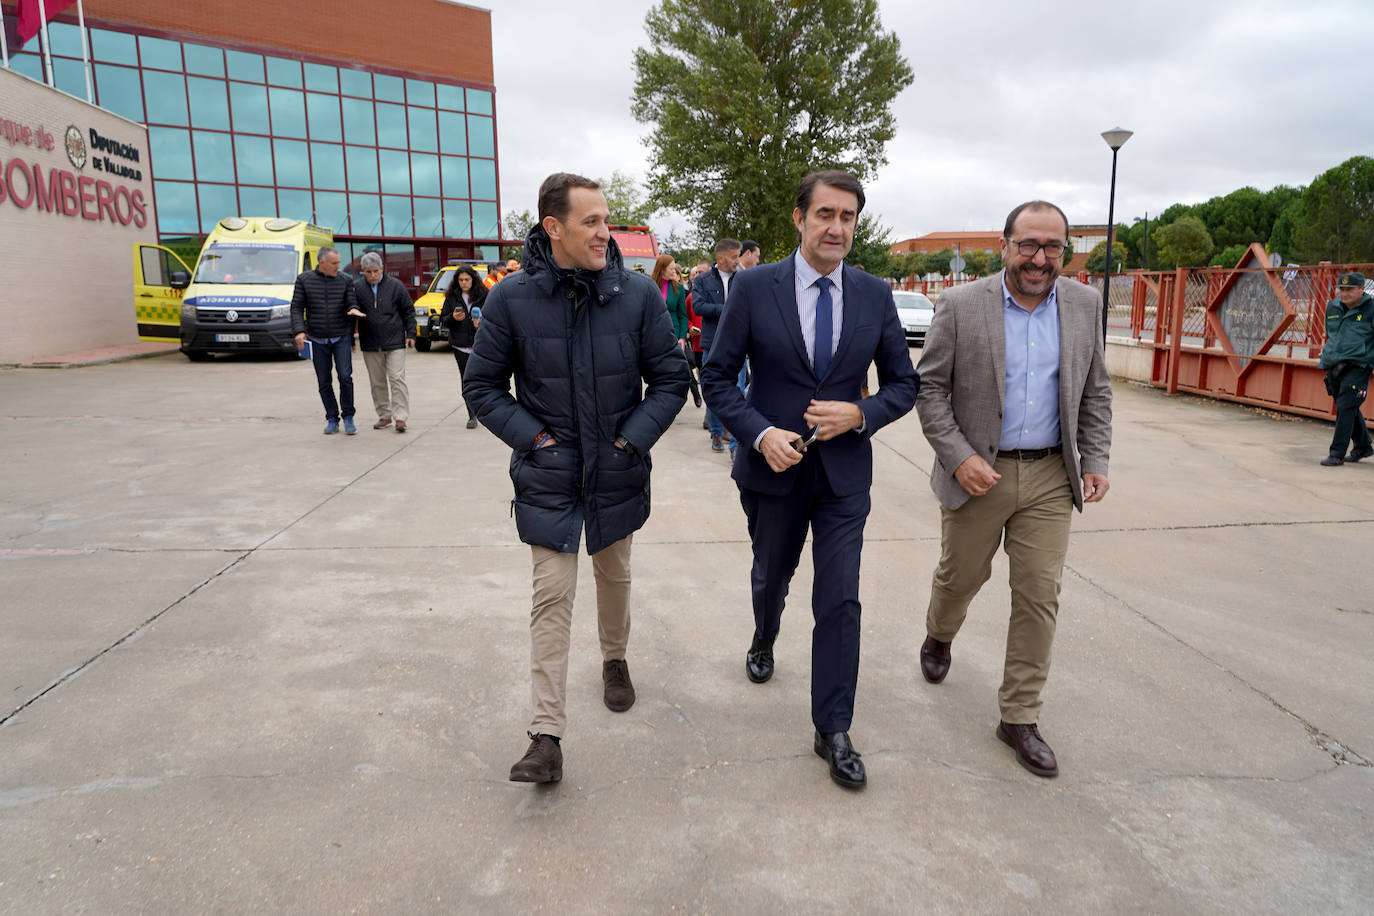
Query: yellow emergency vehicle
[{"x": 239, "y": 297}]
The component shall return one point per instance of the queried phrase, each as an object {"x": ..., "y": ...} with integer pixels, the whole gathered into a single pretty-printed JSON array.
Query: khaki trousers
[
  {"x": 555, "y": 586},
  {"x": 386, "y": 372},
  {"x": 1030, "y": 507}
]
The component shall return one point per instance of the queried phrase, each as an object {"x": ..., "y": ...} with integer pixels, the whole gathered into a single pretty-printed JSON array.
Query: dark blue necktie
[{"x": 824, "y": 329}]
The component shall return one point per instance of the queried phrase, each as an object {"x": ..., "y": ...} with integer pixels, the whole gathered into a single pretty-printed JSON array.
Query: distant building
[{"x": 1081, "y": 238}]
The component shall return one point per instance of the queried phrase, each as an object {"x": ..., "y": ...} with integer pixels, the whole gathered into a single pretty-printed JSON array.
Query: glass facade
[{"x": 377, "y": 157}]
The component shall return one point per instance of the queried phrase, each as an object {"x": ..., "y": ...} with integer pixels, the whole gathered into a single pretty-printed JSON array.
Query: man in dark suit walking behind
[
  {"x": 811, "y": 328},
  {"x": 708, "y": 300},
  {"x": 1017, "y": 405}
]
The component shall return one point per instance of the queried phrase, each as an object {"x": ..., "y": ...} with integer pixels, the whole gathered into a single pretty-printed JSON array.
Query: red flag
[{"x": 31, "y": 20}]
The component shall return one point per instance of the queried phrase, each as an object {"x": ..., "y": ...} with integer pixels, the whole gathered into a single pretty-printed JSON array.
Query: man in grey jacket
[{"x": 1016, "y": 401}]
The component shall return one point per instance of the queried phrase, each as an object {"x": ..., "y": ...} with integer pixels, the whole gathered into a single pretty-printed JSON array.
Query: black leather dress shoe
[
  {"x": 758, "y": 664},
  {"x": 845, "y": 766},
  {"x": 1359, "y": 454},
  {"x": 934, "y": 659},
  {"x": 1031, "y": 750}
]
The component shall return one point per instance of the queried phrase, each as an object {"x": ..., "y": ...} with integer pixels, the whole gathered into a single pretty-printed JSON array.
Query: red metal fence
[{"x": 1251, "y": 333}]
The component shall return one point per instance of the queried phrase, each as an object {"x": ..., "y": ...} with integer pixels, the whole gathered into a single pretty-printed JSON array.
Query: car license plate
[
  {"x": 913, "y": 327},
  {"x": 231, "y": 338}
]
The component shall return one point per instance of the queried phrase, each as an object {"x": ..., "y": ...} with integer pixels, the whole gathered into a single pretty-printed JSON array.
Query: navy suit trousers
[{"x": 777, "y": 528}]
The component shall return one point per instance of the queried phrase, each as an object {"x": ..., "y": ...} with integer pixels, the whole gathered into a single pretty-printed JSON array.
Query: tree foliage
[
  {"x": 1097, "y": 258},
  {"x": 1229, "y": 256},
  {"x": 1334, "y": 218},
  {"x": 627, "y": 201},
  {"x": 516, "y": 225},
  {"x": 871, "y": 243},
  {"x": 747, "y": 96},
  {"x": 1183, "y": 243}
]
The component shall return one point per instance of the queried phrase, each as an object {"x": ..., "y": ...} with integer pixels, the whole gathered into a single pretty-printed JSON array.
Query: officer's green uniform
[{"x": 1348, "y": 358}]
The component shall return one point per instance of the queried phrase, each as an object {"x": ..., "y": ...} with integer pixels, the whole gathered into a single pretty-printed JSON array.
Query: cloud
[{"x": 1007, "y": 105}]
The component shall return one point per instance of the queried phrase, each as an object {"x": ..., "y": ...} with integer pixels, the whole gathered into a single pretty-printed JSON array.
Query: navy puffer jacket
[{"x": 594, "y": 357}]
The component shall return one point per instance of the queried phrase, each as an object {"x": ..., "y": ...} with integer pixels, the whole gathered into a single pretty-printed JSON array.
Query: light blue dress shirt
[
  {"x": 808, "y": 294},
  {"x": 1030, "y": 417}
]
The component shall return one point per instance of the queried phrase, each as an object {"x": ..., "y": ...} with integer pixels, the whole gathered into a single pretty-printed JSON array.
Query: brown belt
[{"x": 1031, "y": 454}]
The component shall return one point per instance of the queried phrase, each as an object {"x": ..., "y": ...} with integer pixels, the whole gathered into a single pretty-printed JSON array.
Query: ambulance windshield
[{"x": 247, "y": 264}]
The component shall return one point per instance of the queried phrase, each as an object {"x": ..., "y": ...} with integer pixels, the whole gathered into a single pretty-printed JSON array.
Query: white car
[{"x": 916, "y": 313}]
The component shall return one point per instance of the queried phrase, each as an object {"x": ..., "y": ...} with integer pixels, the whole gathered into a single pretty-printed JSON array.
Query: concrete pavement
[{"x": 248, "y": 667}]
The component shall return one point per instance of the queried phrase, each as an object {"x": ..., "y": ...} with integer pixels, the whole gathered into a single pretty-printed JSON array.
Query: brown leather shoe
[
  {"x": 543, "y": 762},
  {"x": 620, "y": 693},
  {"x": 1031, "y": 750},
  {"x": 400, "y": 426},
  {"x": 934, "y": 659},
  {"x": 382, "y": 423}
]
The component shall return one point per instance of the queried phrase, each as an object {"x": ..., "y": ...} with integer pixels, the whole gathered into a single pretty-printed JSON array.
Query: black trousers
[
  {"x": 1352, "y": 386},
  {"x": 462, "y": 359},
  {"x": 777, "y": 528}
]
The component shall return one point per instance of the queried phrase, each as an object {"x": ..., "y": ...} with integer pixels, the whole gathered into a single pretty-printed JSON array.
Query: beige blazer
[{"x": 963, "y": 383}]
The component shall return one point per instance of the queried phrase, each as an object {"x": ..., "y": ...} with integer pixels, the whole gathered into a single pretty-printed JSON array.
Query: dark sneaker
[
  {"x": 1357, "y": 454},
  {"x": 472, "y": 424},
  {"x": 543, "y": 762},
  {"x": 331, "y": 427},
  {"x": 620, "y": 693},
  {"x": 349, "y": 428},
  {"x": 716, "y": 444},
  {"x": 1332, "y": 461}
]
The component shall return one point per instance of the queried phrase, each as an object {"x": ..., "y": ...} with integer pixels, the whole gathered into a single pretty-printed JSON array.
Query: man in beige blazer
[{"x": 1016, "y": 401}]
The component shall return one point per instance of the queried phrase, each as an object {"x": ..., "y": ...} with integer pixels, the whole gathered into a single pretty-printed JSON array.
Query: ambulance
[{"x": 239, "y": 296}]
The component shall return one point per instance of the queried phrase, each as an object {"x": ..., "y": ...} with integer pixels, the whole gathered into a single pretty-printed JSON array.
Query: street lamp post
[{"x": 1116, "y": 138}]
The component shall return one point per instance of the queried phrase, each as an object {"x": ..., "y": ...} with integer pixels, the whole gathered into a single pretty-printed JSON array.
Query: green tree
[
  {"x": 976, "y": 262},
  {"x": 1334, "y": 218},
  {"x": 1097, "y": 258},
  {"x": 627, "y": 201},
  {"x": 1183, "y": 243},
  {"x": 936, "y": 262},
  {"x": 517, "y": 225},
  {"x": 747, "y": 96},
  {"x": 871, "y": 243},
  {"x": 1228, "y": 256}
]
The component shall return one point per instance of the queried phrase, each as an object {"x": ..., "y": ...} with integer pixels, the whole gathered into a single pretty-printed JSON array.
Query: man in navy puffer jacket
[{"x": 598, "y": 378}]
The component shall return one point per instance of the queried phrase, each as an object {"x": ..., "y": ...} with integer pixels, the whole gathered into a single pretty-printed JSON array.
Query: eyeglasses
[{"x": 1028, "y": 248}]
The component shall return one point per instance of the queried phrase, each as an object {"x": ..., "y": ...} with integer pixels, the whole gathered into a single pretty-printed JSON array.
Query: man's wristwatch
[{"x": 624, "y": 445}]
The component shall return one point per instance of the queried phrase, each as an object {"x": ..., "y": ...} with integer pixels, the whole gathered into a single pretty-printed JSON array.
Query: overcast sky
[{"x": 1008, "y": 102}]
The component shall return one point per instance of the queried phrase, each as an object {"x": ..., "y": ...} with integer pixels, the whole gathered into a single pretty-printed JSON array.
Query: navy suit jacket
[
  {"x": 761, "y": 322},
  {"x": 708, "y": 301}
]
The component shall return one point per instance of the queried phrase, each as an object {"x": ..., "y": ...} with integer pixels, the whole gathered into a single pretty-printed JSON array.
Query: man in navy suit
[
  {"x": 708, "y": 301},
  {"x": 811, "y": 327}
]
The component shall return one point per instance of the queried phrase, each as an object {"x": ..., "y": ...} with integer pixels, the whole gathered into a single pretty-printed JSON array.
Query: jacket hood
[{"x": 538, "y": 264}]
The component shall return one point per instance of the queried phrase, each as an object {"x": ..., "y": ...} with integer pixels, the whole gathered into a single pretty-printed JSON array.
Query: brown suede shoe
[
  {"x": 543, "y": 762},
  {"x": 1031, "y": 750},
  {"x": 400, "y": 426},
  {"x": 934, "y": 659},
  {"x": 620, "y": 693},
  {"x": 382, "y": 423}
]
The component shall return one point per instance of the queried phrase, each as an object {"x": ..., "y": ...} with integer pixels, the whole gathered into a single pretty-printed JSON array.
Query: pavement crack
[
  {"x": 81, "y": 668},
  {"x": 1342, "y": 753}
]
